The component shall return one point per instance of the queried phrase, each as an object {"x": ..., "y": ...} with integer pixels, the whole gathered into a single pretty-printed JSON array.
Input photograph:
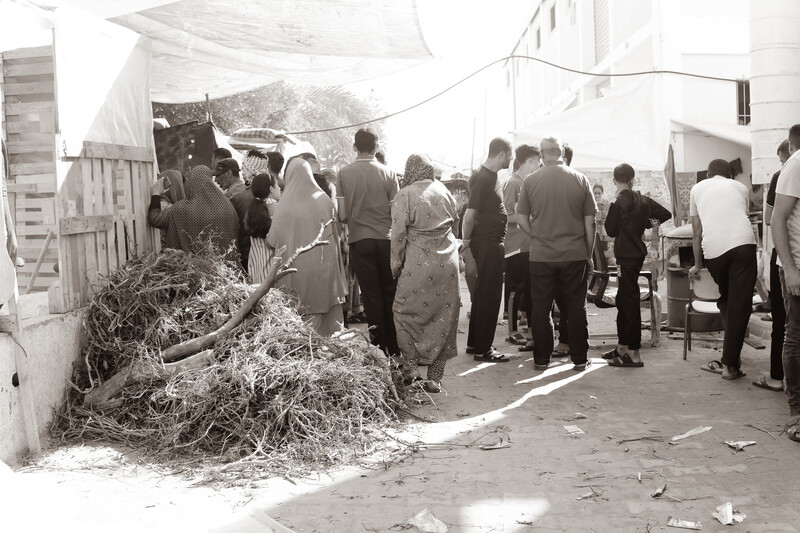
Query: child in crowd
[
  {"x": 257, "y": 223},
  {"x": 627, "y": 219}
]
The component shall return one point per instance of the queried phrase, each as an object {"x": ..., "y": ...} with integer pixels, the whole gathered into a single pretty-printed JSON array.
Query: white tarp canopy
[
  {"x": 222, "y": 47},
  {"x": 102, "y": 73},
  {"x": 628, "y": 125}
]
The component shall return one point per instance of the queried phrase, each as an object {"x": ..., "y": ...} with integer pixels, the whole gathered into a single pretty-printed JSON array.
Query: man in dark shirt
[
  {"x": 484, "y": 231},
  {"x": 556, "y": 209}
]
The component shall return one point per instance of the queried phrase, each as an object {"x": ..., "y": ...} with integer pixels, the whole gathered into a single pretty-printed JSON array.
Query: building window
[
  {"x": 553, "y": 17},
  {"x": 538, "y": 38},
  {"x": 743, "y": 102}
]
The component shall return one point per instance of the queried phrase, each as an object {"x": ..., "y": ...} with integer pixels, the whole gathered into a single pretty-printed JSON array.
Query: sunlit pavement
[{"x": 550, "y": 480}]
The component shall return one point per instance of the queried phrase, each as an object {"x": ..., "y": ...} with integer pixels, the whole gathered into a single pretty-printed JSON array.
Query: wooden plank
[
  {"x": 23, "y": 127},
  {"x": 26, "y": 202},
  {"x": 27, "y": 53},
  {"x": 20, "y": 147},
  {"x": 36, "y": 87},
  {"x": 67, "y": 174},
  {"x": 89, "y": 277},
  {"x": 110, "y": 209},
  {"x": 21, "y": 188},
  {"x": 18, "y": 169},
  {"x": 27, "y": 69},
  {"x": 98, "y": 240},
  {"x": 139, "y": 211},
  {"x": 117, "y": 151},
  {"x": 27, "y": 108},
  {"x": 38, "y": 229},
  {"x": 85, "y": 224}
]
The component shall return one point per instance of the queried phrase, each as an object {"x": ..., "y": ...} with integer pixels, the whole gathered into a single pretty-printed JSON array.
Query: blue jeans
[{"x": 791, "y": 349}]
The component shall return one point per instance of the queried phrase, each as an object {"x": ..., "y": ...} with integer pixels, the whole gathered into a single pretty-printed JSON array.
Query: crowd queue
[{"x": 393, "y": 247}]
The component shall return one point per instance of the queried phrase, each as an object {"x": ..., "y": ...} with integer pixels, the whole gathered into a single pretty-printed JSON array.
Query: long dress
[{"x": 425, "y": 254}]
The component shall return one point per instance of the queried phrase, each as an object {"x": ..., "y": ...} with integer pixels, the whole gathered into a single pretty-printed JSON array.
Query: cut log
[{"x": 103, "y": 396}]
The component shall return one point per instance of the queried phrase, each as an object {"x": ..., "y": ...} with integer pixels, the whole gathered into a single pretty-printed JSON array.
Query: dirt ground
[{"x": 546, "y": 479}]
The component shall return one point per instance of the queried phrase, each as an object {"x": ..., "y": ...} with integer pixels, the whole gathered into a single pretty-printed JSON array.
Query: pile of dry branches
[{"x": 276, "y": 398}]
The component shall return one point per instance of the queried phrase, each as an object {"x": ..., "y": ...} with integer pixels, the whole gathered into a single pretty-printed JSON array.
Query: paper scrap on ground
[
  {"x": 739, "y": 445},
  {"x": 684, "y": 524},
  {"x": 659, "y": 491},
  {"x": 574, "y": 430},
  {"x": 579, "y": 416},
  {"x": 426, "y": 522},
  {"x": 692, "y": 432},
  {"x": 727, "y": 515}
]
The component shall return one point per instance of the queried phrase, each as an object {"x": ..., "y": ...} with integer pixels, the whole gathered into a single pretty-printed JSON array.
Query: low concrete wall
[{"x": 53, "y": 344}]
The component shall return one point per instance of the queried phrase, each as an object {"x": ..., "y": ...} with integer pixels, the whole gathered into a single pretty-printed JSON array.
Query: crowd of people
[{"x": 528, "y": 239}]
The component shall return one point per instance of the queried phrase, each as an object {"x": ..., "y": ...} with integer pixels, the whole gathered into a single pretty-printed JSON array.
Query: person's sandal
[
  {"x": 431, "y": 387},
  {"x": 492, "y": 356},
  {"x": 793, "y": 429},
  {"x": 613, "y": 354}
]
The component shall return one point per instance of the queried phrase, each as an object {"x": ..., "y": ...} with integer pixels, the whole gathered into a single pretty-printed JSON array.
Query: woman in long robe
[
  {"x": 203, "y": 214},
  {"x": 319, "y": 281},
  {"x": 425, "y": 262}
]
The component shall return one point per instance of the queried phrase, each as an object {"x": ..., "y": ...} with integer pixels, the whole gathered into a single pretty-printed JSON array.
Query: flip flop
[
  {"x": 492, "y": 356},
  {"x": 625, "y": 361},
  {"x": 793, "y": 429},
  {"x": 762, "y": 383},
  {"x": 517, "y": 339},
  {"x": 613, "y": 354},
  {"x": 715, "y": 367},
  {"x": 527, "y": 348},
  {"x": 737, "y": 375}
]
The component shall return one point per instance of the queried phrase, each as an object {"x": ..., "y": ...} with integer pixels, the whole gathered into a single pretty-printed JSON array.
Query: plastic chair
[
  {"x": 703, "y": 296},
  {"x": 599, "y": 283}
]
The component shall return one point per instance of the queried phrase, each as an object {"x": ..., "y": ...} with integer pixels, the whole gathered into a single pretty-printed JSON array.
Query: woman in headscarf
[
  {"x": 174, "y": 182},
  {"x": 203, "y": 213},
  {"x": 257, "y": 223},
  {"x": 319, "y": 281},
  {"x": 425, "y": 262}
]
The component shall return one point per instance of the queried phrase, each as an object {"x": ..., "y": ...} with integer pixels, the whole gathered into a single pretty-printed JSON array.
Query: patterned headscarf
[
  {"x": 175, "y": 193},
  {"x": 418, "y": 167},
  {"x": 205, "y": 210},
  {"x": 252, "y": 166}
]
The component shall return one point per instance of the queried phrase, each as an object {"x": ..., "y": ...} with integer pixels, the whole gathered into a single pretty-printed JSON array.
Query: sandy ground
[{"x": 545, "y": 480}]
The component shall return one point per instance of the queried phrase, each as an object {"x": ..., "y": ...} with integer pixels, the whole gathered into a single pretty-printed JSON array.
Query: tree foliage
[{"x": 290, "y": 108}]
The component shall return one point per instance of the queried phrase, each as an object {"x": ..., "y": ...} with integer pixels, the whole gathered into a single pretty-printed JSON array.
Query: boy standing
[{"x": 626, "y": 221}]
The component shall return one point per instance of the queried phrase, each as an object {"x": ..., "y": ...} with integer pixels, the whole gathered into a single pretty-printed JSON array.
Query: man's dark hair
[
  {"x": 498, "y": 146},
  {"x": 624, "y": 173},
  {"x": 783, "y": 148},
  {"x": 222, "y": 153},
  {"x": 719, "y": 167},
  {"x": 567, "y": 154},
  {"x": 256, "y": 153},
  {"x": 524, "y": 152},
  {"x": 794, "y": 136},
  {"x": 366, "y": 141},
  {"x": 276, "y": 161},
  {"x": 381, "y": 157}
]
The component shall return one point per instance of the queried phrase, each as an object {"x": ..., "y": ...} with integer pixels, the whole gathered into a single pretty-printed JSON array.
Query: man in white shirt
[
  {"x": 786, "y": 235},
  {"x": 723, "y": 241}
]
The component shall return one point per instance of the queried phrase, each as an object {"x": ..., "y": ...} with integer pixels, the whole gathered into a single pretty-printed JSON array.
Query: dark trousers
[
  {"x": 488, "y": 294},
  {"x": 518, "y": 281},
  {"x": 629, "y": 316},
  {"x": 778, "y": 319},
  {"x": 563, "y": 321},
  {"x": 567, "y": 279},
  {"x": 735, "y": 275},
  {"x": 370, "y": 259},
  {"x": 791, "y": 349}
]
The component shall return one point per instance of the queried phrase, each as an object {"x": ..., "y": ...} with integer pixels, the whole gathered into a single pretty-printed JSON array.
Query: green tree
[{"x": 291, "y": 108}]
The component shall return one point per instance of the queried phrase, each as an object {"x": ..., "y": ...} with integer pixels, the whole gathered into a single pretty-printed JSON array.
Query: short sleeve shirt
[
  {"x": 367, "y": 188},
  {"x": 557, "y": 199},
  {"x": 516, "y": 240},
  {"x": 789, "y": 185},
  {"x": 486, "y": 197},
  {"x": 773, "y": 184},
  {"x": 721, "y": 204}
]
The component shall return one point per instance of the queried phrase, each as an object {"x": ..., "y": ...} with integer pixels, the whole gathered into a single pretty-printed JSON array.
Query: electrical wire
[{"x": 530, "y": 58}]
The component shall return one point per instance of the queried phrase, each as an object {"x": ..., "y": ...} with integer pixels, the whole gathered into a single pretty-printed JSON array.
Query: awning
[
  {"x": 221, "y": 47},
  {"x": 729, "y": 132}
]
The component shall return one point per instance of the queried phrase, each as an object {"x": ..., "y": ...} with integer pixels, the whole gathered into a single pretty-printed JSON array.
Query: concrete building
[{"x": 701, "y": 118}]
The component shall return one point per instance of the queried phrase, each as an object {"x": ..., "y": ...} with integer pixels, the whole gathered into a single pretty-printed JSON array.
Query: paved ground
[{"x": 547, "y": 480}]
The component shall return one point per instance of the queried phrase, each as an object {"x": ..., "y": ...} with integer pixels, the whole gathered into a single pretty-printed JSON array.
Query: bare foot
[{"x": 634, "y": 355}]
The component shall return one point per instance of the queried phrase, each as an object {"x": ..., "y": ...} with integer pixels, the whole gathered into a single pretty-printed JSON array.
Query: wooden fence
[{"x": 93, "y": 206}]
